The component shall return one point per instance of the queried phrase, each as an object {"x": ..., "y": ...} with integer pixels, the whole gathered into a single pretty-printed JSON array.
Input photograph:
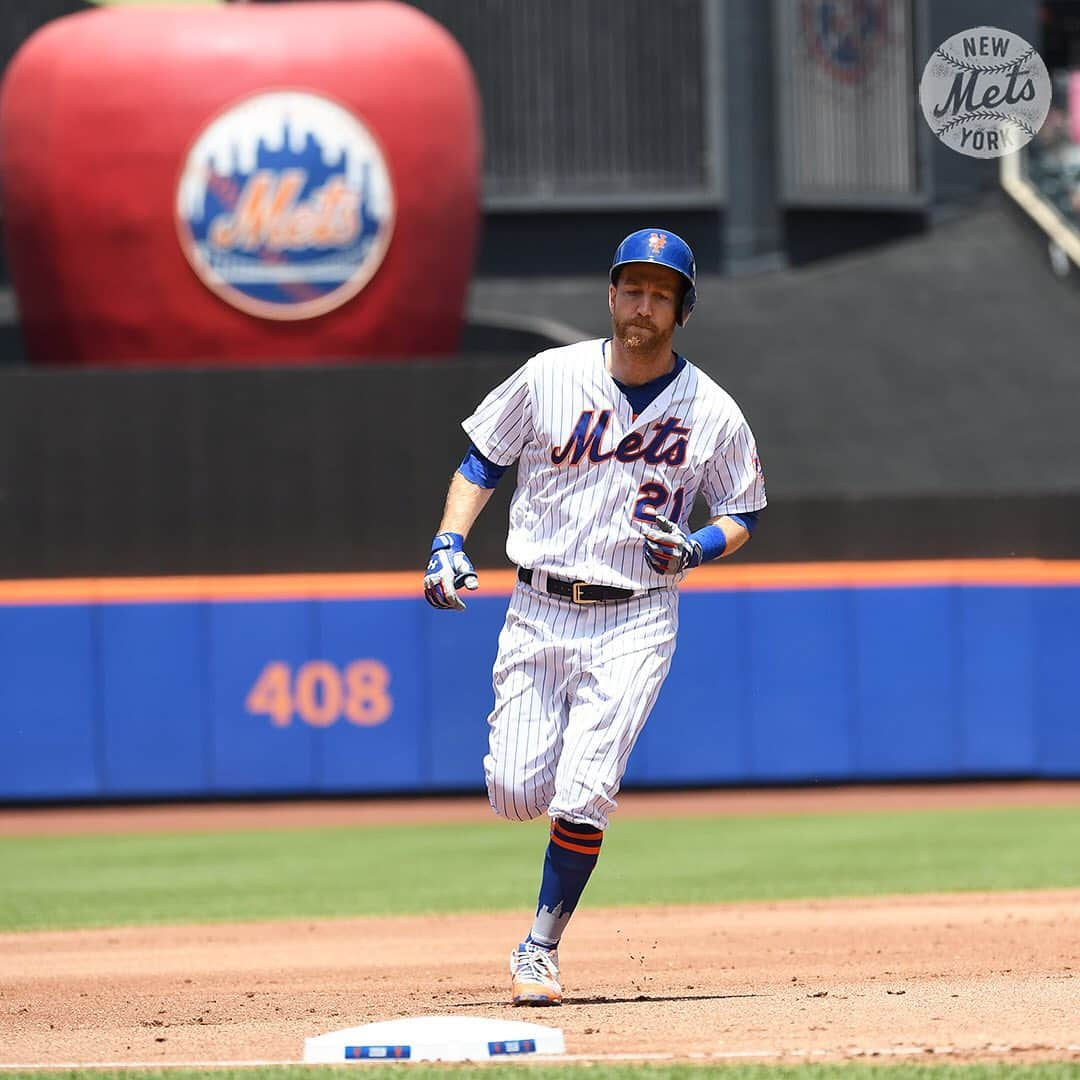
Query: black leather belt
[{"x": 578, "y": 591}]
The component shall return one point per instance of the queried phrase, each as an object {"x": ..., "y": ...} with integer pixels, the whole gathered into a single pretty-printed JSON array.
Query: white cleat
[{"x": 534, "y": 972}]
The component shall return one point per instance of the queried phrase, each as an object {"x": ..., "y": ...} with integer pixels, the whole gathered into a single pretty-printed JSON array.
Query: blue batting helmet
[{"x": 665, "y": 248}]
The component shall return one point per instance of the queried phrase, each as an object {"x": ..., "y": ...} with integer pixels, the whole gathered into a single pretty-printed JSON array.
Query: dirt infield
[{"x": 968, "y": 975}]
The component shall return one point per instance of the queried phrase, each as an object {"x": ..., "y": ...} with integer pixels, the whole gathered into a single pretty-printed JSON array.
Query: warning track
[{"x": 201, "y": 817}]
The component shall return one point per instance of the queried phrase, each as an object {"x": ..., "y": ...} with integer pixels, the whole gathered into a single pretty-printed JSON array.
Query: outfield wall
[
  {"x": 325, "y": 684},
  {"x": 292, "y": 470}
]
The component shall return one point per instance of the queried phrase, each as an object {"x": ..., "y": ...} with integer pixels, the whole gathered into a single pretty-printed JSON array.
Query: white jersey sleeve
[
  {"x": 502, "y": 423},
  {"x": 733, "y": 482}
]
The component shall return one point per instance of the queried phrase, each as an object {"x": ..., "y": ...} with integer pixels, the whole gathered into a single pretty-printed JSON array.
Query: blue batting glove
[
  {"x": 448, "y": 570},
  {"x": 668, "y": 550}
]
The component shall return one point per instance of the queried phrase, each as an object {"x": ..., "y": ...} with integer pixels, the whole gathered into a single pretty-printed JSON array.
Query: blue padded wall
[
  {"x": 230, "y": 697},
  {"x": 153, "y": 680},
  {"x": 50, "y": 709},
  {"x": 1057, "y": 680},
  {"x": 377, "y": 743},
  {"x": 801, "y": 685},
  {"x": 907, "y": 697},
  {"x": 250, "y": 752}
]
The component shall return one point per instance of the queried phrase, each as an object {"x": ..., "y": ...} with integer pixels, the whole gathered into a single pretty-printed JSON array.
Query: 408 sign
[{"x": 320, "y": 693}]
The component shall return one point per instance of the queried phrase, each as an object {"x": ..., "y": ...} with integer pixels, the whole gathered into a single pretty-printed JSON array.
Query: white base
[{"x": 434, "y": 1038}]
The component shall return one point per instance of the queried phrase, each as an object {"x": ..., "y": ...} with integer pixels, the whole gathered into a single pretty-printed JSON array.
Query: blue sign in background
[{"x": 122, "y": 700}]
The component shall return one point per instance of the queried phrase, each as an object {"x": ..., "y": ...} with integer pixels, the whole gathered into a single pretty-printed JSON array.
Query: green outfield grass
[
  {"x": 1053, "y": 1070},
  {"x": 80, "y": 881}
]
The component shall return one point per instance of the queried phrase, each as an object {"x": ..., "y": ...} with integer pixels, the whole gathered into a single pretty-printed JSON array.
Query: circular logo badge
[
  {"x": 284, "y": 206},
  {"x": 845, "y": 36},
  {"x": 985, "y": 92}
]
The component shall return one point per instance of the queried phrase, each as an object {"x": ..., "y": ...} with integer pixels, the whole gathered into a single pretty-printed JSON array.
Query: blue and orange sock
[{"x": 572, "y": 852}]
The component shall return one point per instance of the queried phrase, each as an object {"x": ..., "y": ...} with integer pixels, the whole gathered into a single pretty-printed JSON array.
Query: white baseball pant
[{"x": 574, "y": 685}]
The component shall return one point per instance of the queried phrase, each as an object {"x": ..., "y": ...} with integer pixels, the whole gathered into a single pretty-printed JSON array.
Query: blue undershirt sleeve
[
  {"x": 748, "y": 520},
  {"x": 478, "y": 470}
]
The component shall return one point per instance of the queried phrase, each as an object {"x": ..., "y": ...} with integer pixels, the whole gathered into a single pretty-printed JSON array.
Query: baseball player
[{"x": 613, "y": 439}]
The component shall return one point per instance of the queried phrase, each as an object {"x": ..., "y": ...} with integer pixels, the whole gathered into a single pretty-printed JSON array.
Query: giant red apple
[{"x": 240, "y": 184}]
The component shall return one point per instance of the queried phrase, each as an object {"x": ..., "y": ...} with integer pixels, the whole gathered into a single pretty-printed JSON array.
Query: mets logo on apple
[{"x": 285, "y": 206}]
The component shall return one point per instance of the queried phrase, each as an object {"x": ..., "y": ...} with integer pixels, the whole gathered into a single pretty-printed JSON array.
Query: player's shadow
[
  {"x": 649, "y": 998},
  {"x": 635, "y": 1000}
]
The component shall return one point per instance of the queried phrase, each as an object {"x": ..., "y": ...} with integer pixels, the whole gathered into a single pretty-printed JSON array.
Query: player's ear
[{"x": 611, "y": 298}]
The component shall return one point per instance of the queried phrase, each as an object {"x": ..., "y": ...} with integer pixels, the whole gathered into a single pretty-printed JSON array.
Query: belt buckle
[{"x": 575, "y": 593}]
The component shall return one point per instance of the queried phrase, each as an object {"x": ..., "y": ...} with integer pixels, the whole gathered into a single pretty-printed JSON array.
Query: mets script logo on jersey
[
  {"x": 844, "y": 36},
  {"x": 284, "y": 207},
  {"x": 663, "y": 444}
]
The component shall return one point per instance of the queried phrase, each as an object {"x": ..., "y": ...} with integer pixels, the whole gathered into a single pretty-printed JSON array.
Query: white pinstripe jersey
[{"x": 590, "y": 473}]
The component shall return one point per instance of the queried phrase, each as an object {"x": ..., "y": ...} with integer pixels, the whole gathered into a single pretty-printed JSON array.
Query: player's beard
[{"x": 640, "y": 339}]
